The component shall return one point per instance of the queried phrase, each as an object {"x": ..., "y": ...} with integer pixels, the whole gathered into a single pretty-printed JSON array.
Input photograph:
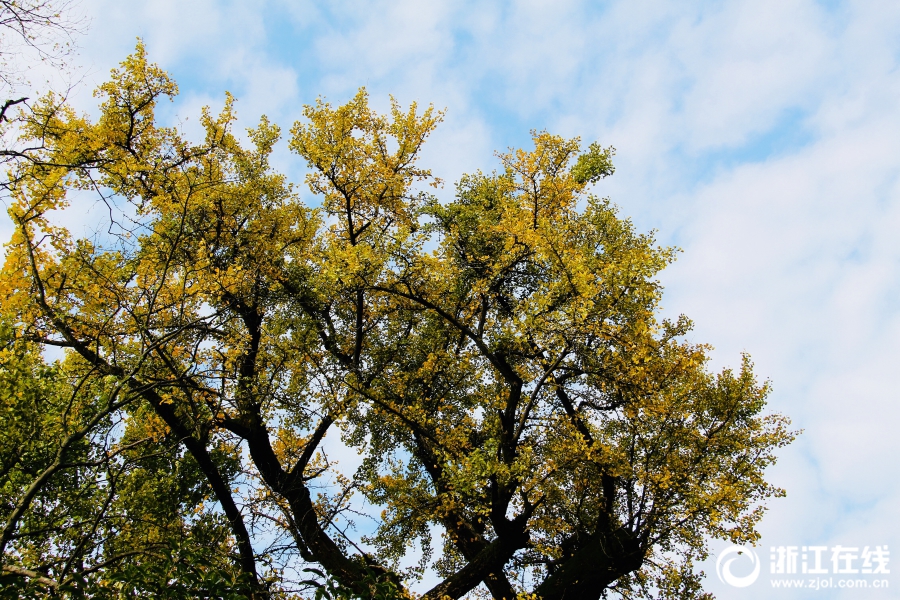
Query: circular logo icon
[{"x": 728, "y": 556}]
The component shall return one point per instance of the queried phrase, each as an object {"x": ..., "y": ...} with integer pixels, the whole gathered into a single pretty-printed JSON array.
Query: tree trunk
[{"x": 605, "y": 557}]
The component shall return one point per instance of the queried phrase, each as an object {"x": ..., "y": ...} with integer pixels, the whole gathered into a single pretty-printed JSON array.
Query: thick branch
[{"x": 598, "y": 563}]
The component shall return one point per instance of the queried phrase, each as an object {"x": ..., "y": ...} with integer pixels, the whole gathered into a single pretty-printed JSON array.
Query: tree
[
  {"x": 84, "y": 490},
  {"x": 496, "y": 361},
  {"x": 34, "y": 30},
  {"x": 31, "y": 32}
]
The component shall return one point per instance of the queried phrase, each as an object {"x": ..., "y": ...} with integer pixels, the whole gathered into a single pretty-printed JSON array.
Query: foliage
[
  {"x": 495, "y": 361},
  {"x": 95, "y": 499}
]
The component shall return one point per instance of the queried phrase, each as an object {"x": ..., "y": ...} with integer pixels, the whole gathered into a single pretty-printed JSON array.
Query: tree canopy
[{"x": 526, "y": 424}]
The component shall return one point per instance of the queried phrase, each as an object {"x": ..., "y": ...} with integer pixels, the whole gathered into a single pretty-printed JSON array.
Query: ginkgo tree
[{"x": 526, "y": 425}]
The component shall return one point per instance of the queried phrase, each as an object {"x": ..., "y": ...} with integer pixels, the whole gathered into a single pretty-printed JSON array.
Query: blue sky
[{"x": 762, "y": 137}]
